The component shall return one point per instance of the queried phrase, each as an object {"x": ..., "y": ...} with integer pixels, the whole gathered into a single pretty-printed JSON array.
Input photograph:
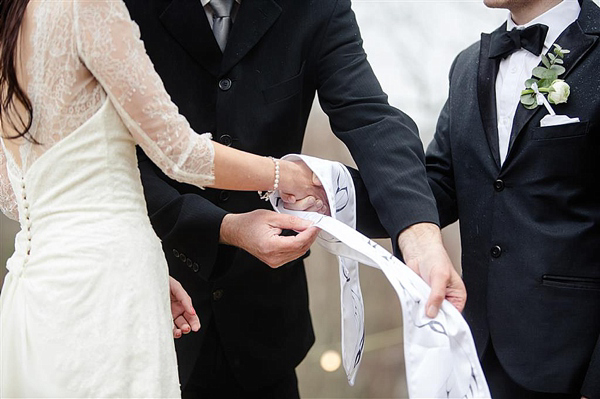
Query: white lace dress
[{"x": 85, "y": 305}]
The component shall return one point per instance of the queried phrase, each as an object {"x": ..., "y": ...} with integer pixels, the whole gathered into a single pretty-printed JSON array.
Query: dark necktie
[
  {"x": 503, "y": 44},
  {"x": 221, "y": 20}
]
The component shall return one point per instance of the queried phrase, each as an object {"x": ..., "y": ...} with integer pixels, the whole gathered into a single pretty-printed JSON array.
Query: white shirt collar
[
  {"x": 557, "y": 19},
  {"x": 205, "y": 2}
]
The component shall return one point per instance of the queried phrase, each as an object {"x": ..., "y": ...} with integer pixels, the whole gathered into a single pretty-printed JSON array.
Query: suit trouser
[
  {"x": 213, "y": 378},
  {"x": 502, "y": 385}
]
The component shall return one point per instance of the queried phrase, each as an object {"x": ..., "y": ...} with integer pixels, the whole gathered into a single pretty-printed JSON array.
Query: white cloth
[
  {"x": 440, "y": 355},
  {"x": 517, "y": 67}
]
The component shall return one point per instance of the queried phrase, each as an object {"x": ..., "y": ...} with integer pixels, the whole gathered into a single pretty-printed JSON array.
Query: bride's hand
[
  {"x": 300, "y": 189},
  {"x": 185, "y": 318}
]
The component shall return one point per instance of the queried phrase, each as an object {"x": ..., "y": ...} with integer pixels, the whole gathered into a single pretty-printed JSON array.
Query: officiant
[{"x": 248, "y": 71}]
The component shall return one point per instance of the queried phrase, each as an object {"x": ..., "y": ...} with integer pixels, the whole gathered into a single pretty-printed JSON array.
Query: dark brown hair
[{"x": 11, "y": 19}]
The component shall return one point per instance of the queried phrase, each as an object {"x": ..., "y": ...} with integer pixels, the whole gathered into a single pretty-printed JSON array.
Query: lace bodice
[{"x": 77, "y": 54}]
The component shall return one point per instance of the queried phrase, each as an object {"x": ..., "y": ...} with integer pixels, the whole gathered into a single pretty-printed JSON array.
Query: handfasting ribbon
[{"x": 440, "y": 355}]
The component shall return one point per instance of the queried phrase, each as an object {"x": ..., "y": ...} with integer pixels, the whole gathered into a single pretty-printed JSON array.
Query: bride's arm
[
  {"x": 110, "y": 47},
  {"x": 8, "y": 202}
]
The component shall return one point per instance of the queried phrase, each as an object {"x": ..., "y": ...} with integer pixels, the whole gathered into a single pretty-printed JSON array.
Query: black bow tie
[{"x": 503, "y": 44}]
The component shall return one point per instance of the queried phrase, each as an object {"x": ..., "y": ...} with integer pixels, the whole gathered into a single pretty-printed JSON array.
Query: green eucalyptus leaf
[
  {"x": 552, "y": 57},
  {"x": 565, "y": 51},
  {"x": 551, "y": 74},
  {"x": 558, "y": 69},
  {"x": 559, "y": 61},
  {"x": 545, "y": 83},
  {"x": 528, "y": 99},
  {"x": 539, "y": 71},
  {"x": 532, "y": 106},
  {"x": 530, "y": 82},
  {"x": 545, "y": 61}
]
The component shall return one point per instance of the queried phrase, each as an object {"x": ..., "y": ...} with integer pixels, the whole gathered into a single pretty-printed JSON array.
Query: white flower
[{"x": 560, "y": 92}]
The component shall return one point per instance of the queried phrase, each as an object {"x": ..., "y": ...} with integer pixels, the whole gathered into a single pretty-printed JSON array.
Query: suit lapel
[
  {"x": 186, "y": 21},
  {"x": 486, "y": 95},
  {"x": 253, "y": 20},
  {"x": 579, "y": 43}
]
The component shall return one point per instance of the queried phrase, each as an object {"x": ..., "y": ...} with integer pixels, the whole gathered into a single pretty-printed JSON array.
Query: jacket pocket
[
  {"x": 560, "y": 132},
  {"x": 285, "y": 89},
  {"x": 580, "y": 283}
]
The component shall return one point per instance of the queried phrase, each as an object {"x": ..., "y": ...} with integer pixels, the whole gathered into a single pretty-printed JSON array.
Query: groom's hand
[
  {"x": 423, "y": 251},
  {"x": 259, "y": 233}
]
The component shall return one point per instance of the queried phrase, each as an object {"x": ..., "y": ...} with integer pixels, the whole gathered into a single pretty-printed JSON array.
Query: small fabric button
[
  {"x": 496, "y": 251},
  {"x": 225, "y": 84},
  {"x": 189, "y": 262},
  {"x": 226, "y": 140},
  {"x": 218, "y": 294},
  {"x": 195, "y": 267},
  {"x": 182, "y": 257},
  {"x": 498, "y": 185},
  {"x": 224, "y": 196},
  {"x": 176, "y": 253}
]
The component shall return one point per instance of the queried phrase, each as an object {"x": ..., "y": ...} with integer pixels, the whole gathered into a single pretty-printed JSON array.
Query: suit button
[
  {"x": 225, "y": 84},
  {"x": 182, "y": 257},
  {"x": 195, "y": 267},
  {"x": 226, "y": 140},
  {"x": 218, "y": 294},
  {"x": 176, "y": 253},
  {"x": 498, "y": 185},
  {"x": 224, "y": 196},
  {"x": 496, "y": 251},
  {"x": 189, "y": 262}
]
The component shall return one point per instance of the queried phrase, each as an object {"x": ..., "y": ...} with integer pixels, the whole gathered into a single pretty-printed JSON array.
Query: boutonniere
[{"x": 546, "y": 83}]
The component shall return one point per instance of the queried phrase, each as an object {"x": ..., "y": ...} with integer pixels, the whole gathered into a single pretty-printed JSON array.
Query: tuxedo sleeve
[
  {"x": 440, "y": 171},
  {"x": 383, "y": 141},
  {"x": 591, "y": 384},
  {"x": 187, "y": 224}
]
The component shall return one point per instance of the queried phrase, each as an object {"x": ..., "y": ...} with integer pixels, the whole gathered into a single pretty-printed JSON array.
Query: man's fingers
[
  {"x": 316, "y": 180},
  {"x": 289, "y": 222},
  {"x": 437, "y": 295}
]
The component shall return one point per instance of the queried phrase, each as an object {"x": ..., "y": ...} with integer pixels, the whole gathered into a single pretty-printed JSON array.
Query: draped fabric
[{"x": 440, "y": 355}]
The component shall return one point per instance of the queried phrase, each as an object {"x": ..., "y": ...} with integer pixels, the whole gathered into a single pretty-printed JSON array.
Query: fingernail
[{"x": 432, "y": 311}]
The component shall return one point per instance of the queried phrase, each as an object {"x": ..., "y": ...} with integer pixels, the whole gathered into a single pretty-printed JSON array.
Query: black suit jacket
[
  {"x": 530, "y": 229},
  {"x": 257, "y": 97}
]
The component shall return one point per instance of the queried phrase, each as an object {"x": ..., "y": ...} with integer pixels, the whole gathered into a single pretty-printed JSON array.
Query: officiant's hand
[
  {"x": 423, "y": 251},
  {"x": 259, "y": 233},
  {"x": 185, "y": 318}
]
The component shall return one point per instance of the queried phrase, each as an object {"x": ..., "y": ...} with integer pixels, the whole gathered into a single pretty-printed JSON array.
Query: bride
[{"x": 85, "y": 304}]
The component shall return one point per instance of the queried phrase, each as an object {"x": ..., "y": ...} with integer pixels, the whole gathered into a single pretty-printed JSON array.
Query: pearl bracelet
[{"x": 265, "y": 196}]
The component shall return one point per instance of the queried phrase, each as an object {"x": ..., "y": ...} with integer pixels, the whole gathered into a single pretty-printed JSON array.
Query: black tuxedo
[
  {"x": 530, "y": 229},
  {"x": 257, "y": 97}
]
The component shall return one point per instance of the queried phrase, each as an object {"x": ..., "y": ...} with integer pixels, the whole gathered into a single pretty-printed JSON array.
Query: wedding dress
[{"x": 85, "y": 308}]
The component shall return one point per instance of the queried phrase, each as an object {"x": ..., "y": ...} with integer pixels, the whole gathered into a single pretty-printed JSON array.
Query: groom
[
  {"x": 248, "y": 72},
  {"x": 528, "y": 201}
]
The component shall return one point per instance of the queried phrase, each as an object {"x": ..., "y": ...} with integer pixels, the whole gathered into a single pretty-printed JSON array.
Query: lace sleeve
[
  {"x": 8, "y": 202},
  {"x": 109, "y": 44}
]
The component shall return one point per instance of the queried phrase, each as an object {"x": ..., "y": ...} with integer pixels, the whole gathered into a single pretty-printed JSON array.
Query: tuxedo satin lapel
[
  {"x": 579, "y": 43},
  {"x": 253, "y": 20},
  {"x": 186, "y": 21},
  {"x": 486, "y": 95}
]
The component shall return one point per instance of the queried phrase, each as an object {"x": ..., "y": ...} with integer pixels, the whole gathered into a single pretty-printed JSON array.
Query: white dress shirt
[
  {"x": 209, "y": 11},
  {"x": 517, "y": 67}
]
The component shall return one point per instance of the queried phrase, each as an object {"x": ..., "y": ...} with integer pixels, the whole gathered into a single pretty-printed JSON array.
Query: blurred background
[{"x": 410, "y": 45}]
